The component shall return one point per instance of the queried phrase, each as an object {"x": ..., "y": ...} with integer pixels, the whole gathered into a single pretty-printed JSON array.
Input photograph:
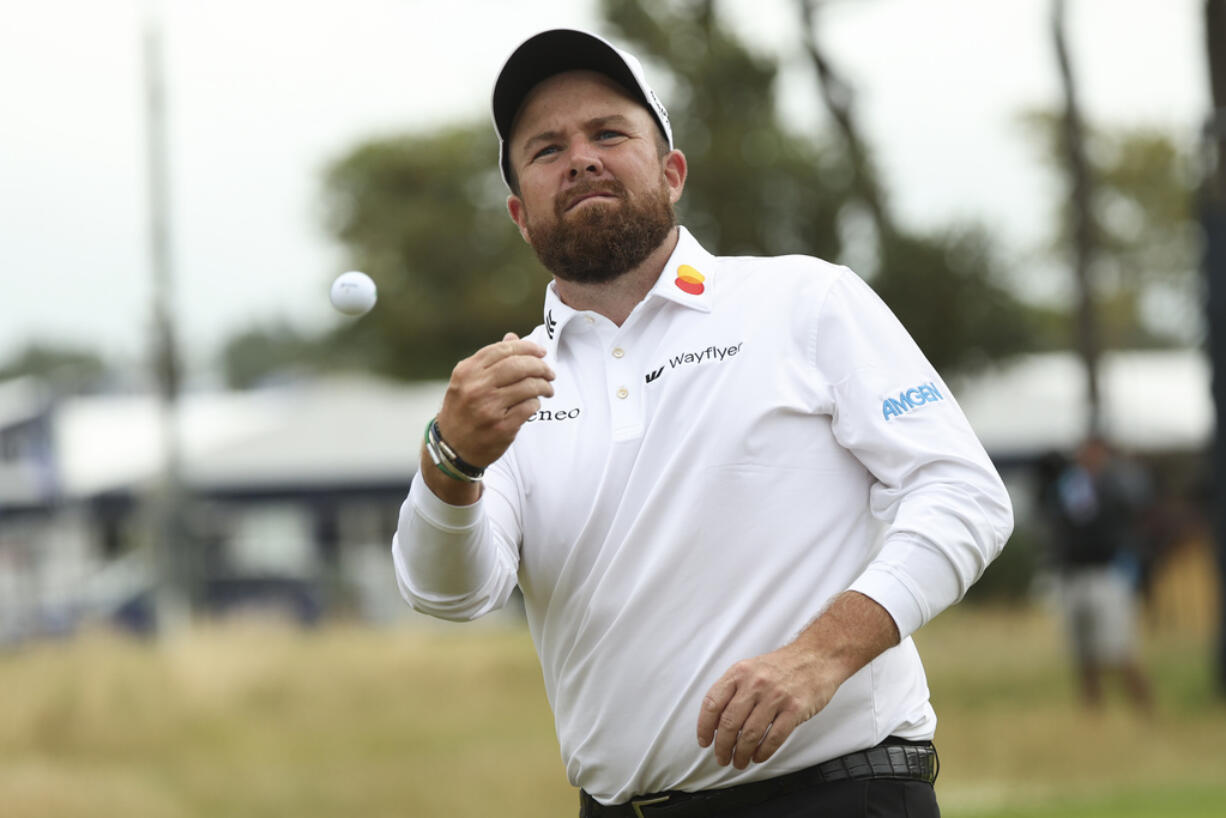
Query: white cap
[{"x": 563, "y": 49}]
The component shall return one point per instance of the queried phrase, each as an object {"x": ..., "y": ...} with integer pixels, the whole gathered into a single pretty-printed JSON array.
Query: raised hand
[{"x": 490, "y": 396}]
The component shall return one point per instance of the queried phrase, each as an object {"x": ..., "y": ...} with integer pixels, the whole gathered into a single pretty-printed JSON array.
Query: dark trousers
[
  {"x": 891, "y": 780},
  {"x": 874, "y": 798}
]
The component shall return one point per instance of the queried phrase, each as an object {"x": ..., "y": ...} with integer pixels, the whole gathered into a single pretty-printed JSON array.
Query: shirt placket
[{"x": 623, "y": 389}]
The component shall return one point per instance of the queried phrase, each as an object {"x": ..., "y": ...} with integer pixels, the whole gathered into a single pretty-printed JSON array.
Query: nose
[{"x": 584, "y": 159}]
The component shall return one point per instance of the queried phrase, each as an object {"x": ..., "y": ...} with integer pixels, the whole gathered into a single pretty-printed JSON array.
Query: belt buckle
[{"x": 646, "y": 802}]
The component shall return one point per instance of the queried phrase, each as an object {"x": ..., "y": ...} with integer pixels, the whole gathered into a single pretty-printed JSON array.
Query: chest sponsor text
[
  {"x": 698, "y": 356},
  {"x": 553, "y": 415}
]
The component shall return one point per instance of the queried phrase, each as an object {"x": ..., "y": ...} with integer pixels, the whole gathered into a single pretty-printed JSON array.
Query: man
[
  {"x": 728, "y": 488},
  {"x": 1095, "y": 504}
]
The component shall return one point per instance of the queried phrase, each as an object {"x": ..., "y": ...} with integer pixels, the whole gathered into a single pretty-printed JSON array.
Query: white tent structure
[
  {"x": 1153, "y": 401},
  {"x": 327, "y": 432}
]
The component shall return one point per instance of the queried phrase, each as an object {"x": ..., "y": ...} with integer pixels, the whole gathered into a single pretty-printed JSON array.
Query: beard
[{"x": 603, "y": 240}]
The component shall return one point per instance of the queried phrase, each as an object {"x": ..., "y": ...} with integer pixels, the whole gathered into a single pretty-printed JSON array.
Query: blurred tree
[
  {"x": 947, "y": 287},
  {"x": 1082, "y": 224},
  {"x": 261, "y": 353},
  {"x": 424, "y": 215},
  {"x": 70, "y": 367},
  {"x": 754, "y": 188},
  {"x": 1145, "y": 290}
]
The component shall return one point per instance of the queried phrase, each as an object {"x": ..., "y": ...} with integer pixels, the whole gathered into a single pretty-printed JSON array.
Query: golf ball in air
[{"x": 353, "y": 293}]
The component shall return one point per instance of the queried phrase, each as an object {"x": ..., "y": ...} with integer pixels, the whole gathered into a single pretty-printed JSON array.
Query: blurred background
[{"x": 201, "y": 462}]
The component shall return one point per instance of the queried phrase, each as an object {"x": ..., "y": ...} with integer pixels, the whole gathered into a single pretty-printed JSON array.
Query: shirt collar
[
  {"x": 557, "y": 316},
  {"x": 687, "y": 275},
  {"x": 686, "y": 280}
]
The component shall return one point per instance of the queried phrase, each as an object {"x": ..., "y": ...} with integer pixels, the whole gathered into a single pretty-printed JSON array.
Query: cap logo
[
  {"x": 690, "y": 280},
  {"x": 659, "y": 106}
]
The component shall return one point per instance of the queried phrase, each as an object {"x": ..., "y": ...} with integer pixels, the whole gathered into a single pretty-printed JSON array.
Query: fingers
[
  {"x": 518, "y": 414},
  {"x": 725, "y": 716},
  {"x": 749, "y": 713},
  {"x": 713, "y": 705},
  {"x": 724, "y": 711},
  {"x": 744, "y": 726},
  {"x": 779, "y": 730},
  {"x": 491, "y": 395},
  {"x": 480, "y": 379},
  {"x": 516, "y": 368},
  {"x": 509, "y": 345},
  {"x": 731, "y": 722},
  {"x": 753, "y": 729},
  {"x": 526, "y": 389}
]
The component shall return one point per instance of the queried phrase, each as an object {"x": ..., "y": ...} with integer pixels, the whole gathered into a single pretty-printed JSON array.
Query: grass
[
  {"x": 256, "y": 719},
  {"x": 1015, "y": 742}
]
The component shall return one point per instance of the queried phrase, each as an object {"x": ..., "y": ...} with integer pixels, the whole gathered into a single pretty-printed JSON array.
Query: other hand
[{"x": 752, "y": 709}]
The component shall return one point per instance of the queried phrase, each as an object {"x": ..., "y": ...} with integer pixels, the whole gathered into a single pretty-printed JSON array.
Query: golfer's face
[{"x": 580, "y": 142}]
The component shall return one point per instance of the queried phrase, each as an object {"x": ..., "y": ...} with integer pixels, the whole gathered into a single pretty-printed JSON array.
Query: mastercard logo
[{"x": 690, "y": 280}]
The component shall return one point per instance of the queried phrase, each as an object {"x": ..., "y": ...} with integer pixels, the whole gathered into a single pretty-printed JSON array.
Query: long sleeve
[
  {"x": 457, "y": 562},
  {"x": 948, "y": 512}
]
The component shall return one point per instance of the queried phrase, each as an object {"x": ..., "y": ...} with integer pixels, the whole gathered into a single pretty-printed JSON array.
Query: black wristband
[{"x": 458, "y": 463}]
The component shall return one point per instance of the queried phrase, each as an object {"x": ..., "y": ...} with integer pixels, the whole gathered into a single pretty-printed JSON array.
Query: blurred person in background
[
  {"x": 1095, "y": 504},
  {"x": 730, "y": 489}
]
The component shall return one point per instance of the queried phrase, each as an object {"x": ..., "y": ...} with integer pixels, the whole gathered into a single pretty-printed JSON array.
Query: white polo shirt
[{"x": 758, "y": 436}]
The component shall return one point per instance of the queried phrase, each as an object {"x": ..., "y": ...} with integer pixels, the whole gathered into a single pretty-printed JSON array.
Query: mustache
[{"x": 608, "y": 187}]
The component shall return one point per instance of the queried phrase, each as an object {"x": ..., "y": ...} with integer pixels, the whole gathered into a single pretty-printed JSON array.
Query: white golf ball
[{"x": 353, "y": 293}]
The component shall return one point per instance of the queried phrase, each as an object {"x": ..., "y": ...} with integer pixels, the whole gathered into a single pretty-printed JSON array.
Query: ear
[
  {"x": 675, "y": 169},
  {"x": 515, "y": 206}
]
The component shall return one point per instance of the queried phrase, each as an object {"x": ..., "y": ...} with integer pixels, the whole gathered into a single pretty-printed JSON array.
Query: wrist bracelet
[
  {"x": 441, "y": 460},
  {"x": 446, "y": 459},
  {"x": 460, "y": 464}
]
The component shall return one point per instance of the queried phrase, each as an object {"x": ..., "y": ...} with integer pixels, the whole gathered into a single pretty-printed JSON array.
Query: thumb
[{"x": 510, "y": 336}]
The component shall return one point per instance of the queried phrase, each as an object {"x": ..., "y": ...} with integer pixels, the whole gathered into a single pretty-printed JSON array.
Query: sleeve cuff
[
  {"x": 443, "y": 516},
  {"x": 892, "y": 591}
]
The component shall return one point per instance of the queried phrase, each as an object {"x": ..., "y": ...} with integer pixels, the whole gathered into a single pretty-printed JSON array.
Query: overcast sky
[{"x": 264, "y": 93}]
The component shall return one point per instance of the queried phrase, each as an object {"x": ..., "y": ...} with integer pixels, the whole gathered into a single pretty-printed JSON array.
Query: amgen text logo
[{"x": 910, "y": 399}]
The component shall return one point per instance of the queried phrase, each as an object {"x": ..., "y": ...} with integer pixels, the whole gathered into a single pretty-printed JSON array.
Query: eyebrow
[{"x": 591, "y": 124}]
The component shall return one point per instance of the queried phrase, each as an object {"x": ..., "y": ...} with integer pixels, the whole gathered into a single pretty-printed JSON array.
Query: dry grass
[
  {"x": 256, "y": 719},
  {"x": 1013, "y": 735}
]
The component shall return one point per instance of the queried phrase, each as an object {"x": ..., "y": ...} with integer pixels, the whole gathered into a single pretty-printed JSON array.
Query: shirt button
[
  {"x": 590, "y": 319},
  {"x": 619, "y": 352},
  {"x": 623, "y": 392}
]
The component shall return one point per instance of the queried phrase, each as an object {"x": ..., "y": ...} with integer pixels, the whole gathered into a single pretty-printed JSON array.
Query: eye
[
  {"x": 545, "y": 151},
  {"x": 608, "y": 133}
]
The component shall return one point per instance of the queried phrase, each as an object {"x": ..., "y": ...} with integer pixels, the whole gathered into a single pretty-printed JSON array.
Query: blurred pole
[
  {"x": 1213, "y": 215},
  {"x": 1082, "y": 217},
  {"x": 171, "y": 594}
]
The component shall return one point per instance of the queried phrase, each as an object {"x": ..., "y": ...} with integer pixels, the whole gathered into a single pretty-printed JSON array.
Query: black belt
[{"x": 892, "y": 759}]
